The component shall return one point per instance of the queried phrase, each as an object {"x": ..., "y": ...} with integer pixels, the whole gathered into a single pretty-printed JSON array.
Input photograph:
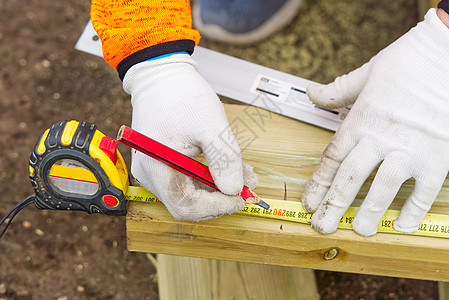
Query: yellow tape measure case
[{"x": 76, "y": 167}]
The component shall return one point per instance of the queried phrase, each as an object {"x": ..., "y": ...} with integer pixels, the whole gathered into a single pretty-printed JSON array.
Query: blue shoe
[{"x": 242, "y": 21}]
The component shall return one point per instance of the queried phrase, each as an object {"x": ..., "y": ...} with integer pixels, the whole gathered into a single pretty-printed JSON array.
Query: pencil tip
[
  {"x": 255, "y": 199},
  {"x": 263, "y": 204}
]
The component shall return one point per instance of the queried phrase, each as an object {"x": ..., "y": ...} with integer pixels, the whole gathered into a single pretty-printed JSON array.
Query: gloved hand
[
  {"x": 174, "y": 105},
  {"x": 400, "y": 120}
]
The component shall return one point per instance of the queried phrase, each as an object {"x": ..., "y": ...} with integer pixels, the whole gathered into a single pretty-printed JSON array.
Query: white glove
[
  {"x": 400, "y": 121},
  {"x": 174, "y": 105}
]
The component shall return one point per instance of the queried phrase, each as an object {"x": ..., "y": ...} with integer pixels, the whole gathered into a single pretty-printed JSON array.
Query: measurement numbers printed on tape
[{"x": 433, "y": 225}]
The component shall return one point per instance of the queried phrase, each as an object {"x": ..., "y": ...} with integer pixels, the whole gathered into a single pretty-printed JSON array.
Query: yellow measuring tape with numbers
[{"x": 433, "y": 225}]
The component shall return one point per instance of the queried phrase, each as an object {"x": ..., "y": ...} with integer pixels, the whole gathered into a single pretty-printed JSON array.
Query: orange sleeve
[{"x": 132, "y": 31}]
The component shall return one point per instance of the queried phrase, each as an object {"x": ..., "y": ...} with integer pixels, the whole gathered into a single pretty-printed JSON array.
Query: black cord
[{"x": 15, "y": 210}]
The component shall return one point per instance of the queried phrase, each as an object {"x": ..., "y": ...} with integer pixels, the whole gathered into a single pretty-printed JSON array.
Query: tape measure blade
[{"x": 433, "y": 225}]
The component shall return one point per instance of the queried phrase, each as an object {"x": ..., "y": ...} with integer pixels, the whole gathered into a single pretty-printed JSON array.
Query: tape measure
[
  {"x": 433, "y": 225},
  {"x": 76, "y": 167}
]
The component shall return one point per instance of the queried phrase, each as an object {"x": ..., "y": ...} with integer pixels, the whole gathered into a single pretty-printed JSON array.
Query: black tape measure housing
[{"x": 49, "y": 195}]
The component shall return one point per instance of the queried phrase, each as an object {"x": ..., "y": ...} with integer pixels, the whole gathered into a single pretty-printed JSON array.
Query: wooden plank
[
  {"x": 286, "y": 152},
  {"x": 186, "y": 278},
  {"x": 150, "y": 228}
]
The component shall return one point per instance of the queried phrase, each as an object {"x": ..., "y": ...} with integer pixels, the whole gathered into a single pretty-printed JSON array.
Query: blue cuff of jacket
[{"x": 153, "y": 52}]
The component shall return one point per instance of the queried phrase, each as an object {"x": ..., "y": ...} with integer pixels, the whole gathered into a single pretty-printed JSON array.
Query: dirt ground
[{"x": 43, "y": 79}]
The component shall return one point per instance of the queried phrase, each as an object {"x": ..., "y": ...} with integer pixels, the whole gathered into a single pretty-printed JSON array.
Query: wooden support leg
[
  {"x": 198, "y": 278},
  {"x": 443, "y": 290}
]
